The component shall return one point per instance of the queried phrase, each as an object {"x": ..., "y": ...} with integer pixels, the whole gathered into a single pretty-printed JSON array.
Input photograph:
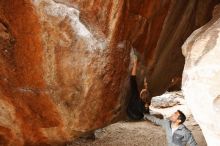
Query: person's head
[{"x": 178, "y": 117}]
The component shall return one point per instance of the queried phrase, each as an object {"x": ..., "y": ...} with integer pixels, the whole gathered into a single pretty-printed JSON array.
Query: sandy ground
[{"x": 142, "y": 133}]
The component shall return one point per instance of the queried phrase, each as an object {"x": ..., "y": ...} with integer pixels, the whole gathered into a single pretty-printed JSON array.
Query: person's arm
[
  {"x": 143, "y": 91},
  {"x": 155, "y": 120},
  {"x": 190, "y": 139},
  {"x": 134, "y": 67}
]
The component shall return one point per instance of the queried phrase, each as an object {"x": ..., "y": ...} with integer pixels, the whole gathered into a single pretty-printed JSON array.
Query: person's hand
[
  {"x": 147, "y": 110},
  {"x": 142, "y": 91}
]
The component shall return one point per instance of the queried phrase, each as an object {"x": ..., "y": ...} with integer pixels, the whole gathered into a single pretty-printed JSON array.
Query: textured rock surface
[
  {"x": 168, "y": 99},
  {"x": 156, "y": 29},
  {"x": 201, "y": 77},
  {"x": 57, "y": 78},
  {"x": 64, "y": 63},
  {"x": 163, "y": 58}
]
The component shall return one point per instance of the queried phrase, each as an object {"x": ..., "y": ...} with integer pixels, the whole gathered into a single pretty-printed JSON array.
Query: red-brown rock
[
  {"x": 64, "y": 63},
  {"x": 58, "y": 80}
]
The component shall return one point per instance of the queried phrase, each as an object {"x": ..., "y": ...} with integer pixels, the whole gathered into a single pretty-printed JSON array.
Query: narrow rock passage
[{"x": 141, "y": 133}]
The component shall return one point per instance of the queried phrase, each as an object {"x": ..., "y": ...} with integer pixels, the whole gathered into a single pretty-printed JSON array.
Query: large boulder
[
  {"x": 58, "y": 78},
  {"x": 201, "y": 77},
  {"x": 64, "y": 63}
]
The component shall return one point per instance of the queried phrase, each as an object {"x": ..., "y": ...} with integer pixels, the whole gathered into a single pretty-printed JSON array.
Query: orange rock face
[
  {"x": 58, "y": 79},
  {"x": 64, "y": 63}
]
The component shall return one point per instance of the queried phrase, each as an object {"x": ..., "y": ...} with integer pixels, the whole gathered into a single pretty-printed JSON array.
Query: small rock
[{"x": 168, "y": 99}]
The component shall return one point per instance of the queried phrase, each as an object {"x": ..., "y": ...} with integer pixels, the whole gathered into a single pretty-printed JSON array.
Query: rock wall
[
  {"x": 64, "y": 64},
  {"x": 201, "y": 77},
  {"x": 156, "y": 29},
  {"x": 165, "y": 60},
  {"x": 58, "y": 79}
]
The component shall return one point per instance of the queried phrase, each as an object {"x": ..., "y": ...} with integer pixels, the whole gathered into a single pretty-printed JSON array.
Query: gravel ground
[{"x": 142, "y": 133}]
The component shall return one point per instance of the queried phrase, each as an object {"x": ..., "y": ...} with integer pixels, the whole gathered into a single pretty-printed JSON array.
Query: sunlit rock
[
  {"x": 64, "y": 64},
  {"x": 58, "y": 78},
  {"x": 168, "y": 99},
  {"x": 201, "y": 77}
]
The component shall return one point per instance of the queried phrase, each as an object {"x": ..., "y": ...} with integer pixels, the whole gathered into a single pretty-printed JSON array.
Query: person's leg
[
  {"x": 133, "y": 109},
  {"x": 133, "y": 82},
  {"x": 134, "y": 67}
]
